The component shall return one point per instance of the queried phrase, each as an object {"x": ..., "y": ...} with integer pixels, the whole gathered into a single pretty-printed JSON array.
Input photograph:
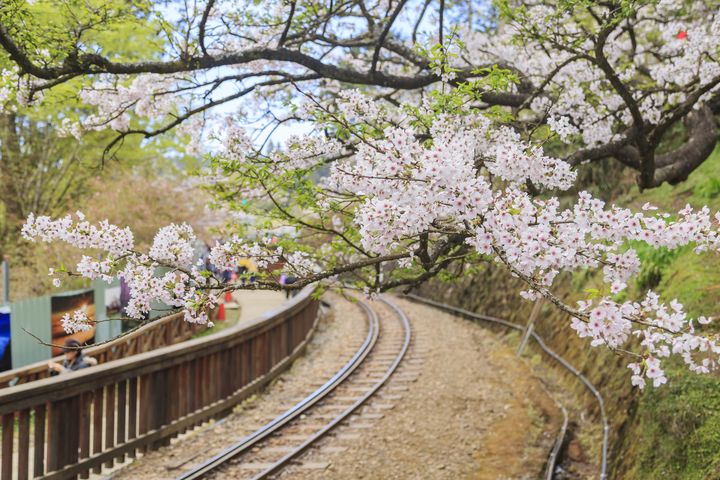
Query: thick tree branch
[
  {"x": 603, "y": 151},
  {"x": 203, "y": 24},
  {"x": 384, "y": 34},
  {"x": 88, "y": 64},
  {"x": 284, "y": 35},
  {"x": 675, "y": 166}
]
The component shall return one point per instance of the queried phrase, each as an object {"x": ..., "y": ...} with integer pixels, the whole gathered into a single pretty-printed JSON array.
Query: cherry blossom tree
[{"x": 420, "y": 159}]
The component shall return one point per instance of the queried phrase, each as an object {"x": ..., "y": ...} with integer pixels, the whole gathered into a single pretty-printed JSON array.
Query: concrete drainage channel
[{"x": 554, "y": 453}]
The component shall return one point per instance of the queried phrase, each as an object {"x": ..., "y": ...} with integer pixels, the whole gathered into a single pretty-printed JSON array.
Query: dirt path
[{"x": 469, "y": 410}]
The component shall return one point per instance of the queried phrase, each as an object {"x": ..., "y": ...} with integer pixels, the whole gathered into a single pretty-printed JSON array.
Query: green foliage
[
  {"x": 122, "y": 30},
  {"x": 654, "y": 263},
  {"x": 695, "y": 281},
  {"x": 679, "y": 429},
  {"x": 709, "y": 189},
  {"x": 456, "y": 100}
]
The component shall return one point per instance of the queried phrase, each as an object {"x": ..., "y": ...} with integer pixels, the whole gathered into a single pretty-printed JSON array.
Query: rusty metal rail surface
[
  {"x": 63, "y": 427},
  {"x": 564, "y": 363},
  {"x": 158, "y": 333},
  {"x": 251, "y": 441}
]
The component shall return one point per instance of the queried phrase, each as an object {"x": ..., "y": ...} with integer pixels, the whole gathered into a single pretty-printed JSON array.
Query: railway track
[{"x": 278, "y": 443}]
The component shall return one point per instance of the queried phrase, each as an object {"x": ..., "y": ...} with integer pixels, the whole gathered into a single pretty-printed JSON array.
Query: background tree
[
  {"x": 153, "y": 202},
  {"x": 438, "y": 161},
  {"x": 45, "y": 172},
  {"x": 47, "y": 166}
]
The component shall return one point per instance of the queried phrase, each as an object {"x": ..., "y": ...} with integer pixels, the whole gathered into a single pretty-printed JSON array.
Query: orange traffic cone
[
  {"x": 228, "y": 297},
  {"x": 221, "y": 312}
]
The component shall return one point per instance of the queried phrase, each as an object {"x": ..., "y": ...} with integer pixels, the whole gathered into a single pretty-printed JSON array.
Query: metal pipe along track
[{"x": 541, "y": 343}]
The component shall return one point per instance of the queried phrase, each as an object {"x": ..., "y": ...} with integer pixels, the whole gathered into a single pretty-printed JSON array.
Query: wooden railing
[
  {"x": 159, "y": 333},
  {"x": 62, "y": 427}
]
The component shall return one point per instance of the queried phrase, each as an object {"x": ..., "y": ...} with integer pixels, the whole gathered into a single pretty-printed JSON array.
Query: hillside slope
[{"x": 670, "y": 433}]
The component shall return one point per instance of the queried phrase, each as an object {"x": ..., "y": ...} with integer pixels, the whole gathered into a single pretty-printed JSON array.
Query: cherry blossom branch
[{"x": 203, "y": 24}]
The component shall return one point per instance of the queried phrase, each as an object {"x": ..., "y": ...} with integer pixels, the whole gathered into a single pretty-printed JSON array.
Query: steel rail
[
  {"x": 593, "y": 390},
  {"x": 268, "y": 429},
  {"x": 277, "y": 466},
  {"x": 555, "y": 356},
  {"x": 552, "y": 459}
]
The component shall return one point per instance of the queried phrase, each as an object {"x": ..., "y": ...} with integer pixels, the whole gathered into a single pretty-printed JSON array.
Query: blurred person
[
  {"x": 75, "y": 359},
  {"x": 205, "y": 258},
  {"x": 288, "y": 280},
  {"x": 246, "y": 266}
]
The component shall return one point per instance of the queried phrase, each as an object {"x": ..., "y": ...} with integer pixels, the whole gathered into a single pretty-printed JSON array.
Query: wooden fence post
[{"x": 529, "y": 328}]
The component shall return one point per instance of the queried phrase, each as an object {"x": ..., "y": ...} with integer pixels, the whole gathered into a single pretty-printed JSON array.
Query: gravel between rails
[
  {"x": 473, "y": 411},
  {"x": 338, "y": 336}
]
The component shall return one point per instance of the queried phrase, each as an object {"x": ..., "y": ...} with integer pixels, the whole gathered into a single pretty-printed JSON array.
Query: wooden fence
[
  {"x": 65, "y": 426},
  {"x": 159, "y": 333}
]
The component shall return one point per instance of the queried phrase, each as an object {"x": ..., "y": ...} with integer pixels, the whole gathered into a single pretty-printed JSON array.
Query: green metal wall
[{"x": 33, "y": 315}]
